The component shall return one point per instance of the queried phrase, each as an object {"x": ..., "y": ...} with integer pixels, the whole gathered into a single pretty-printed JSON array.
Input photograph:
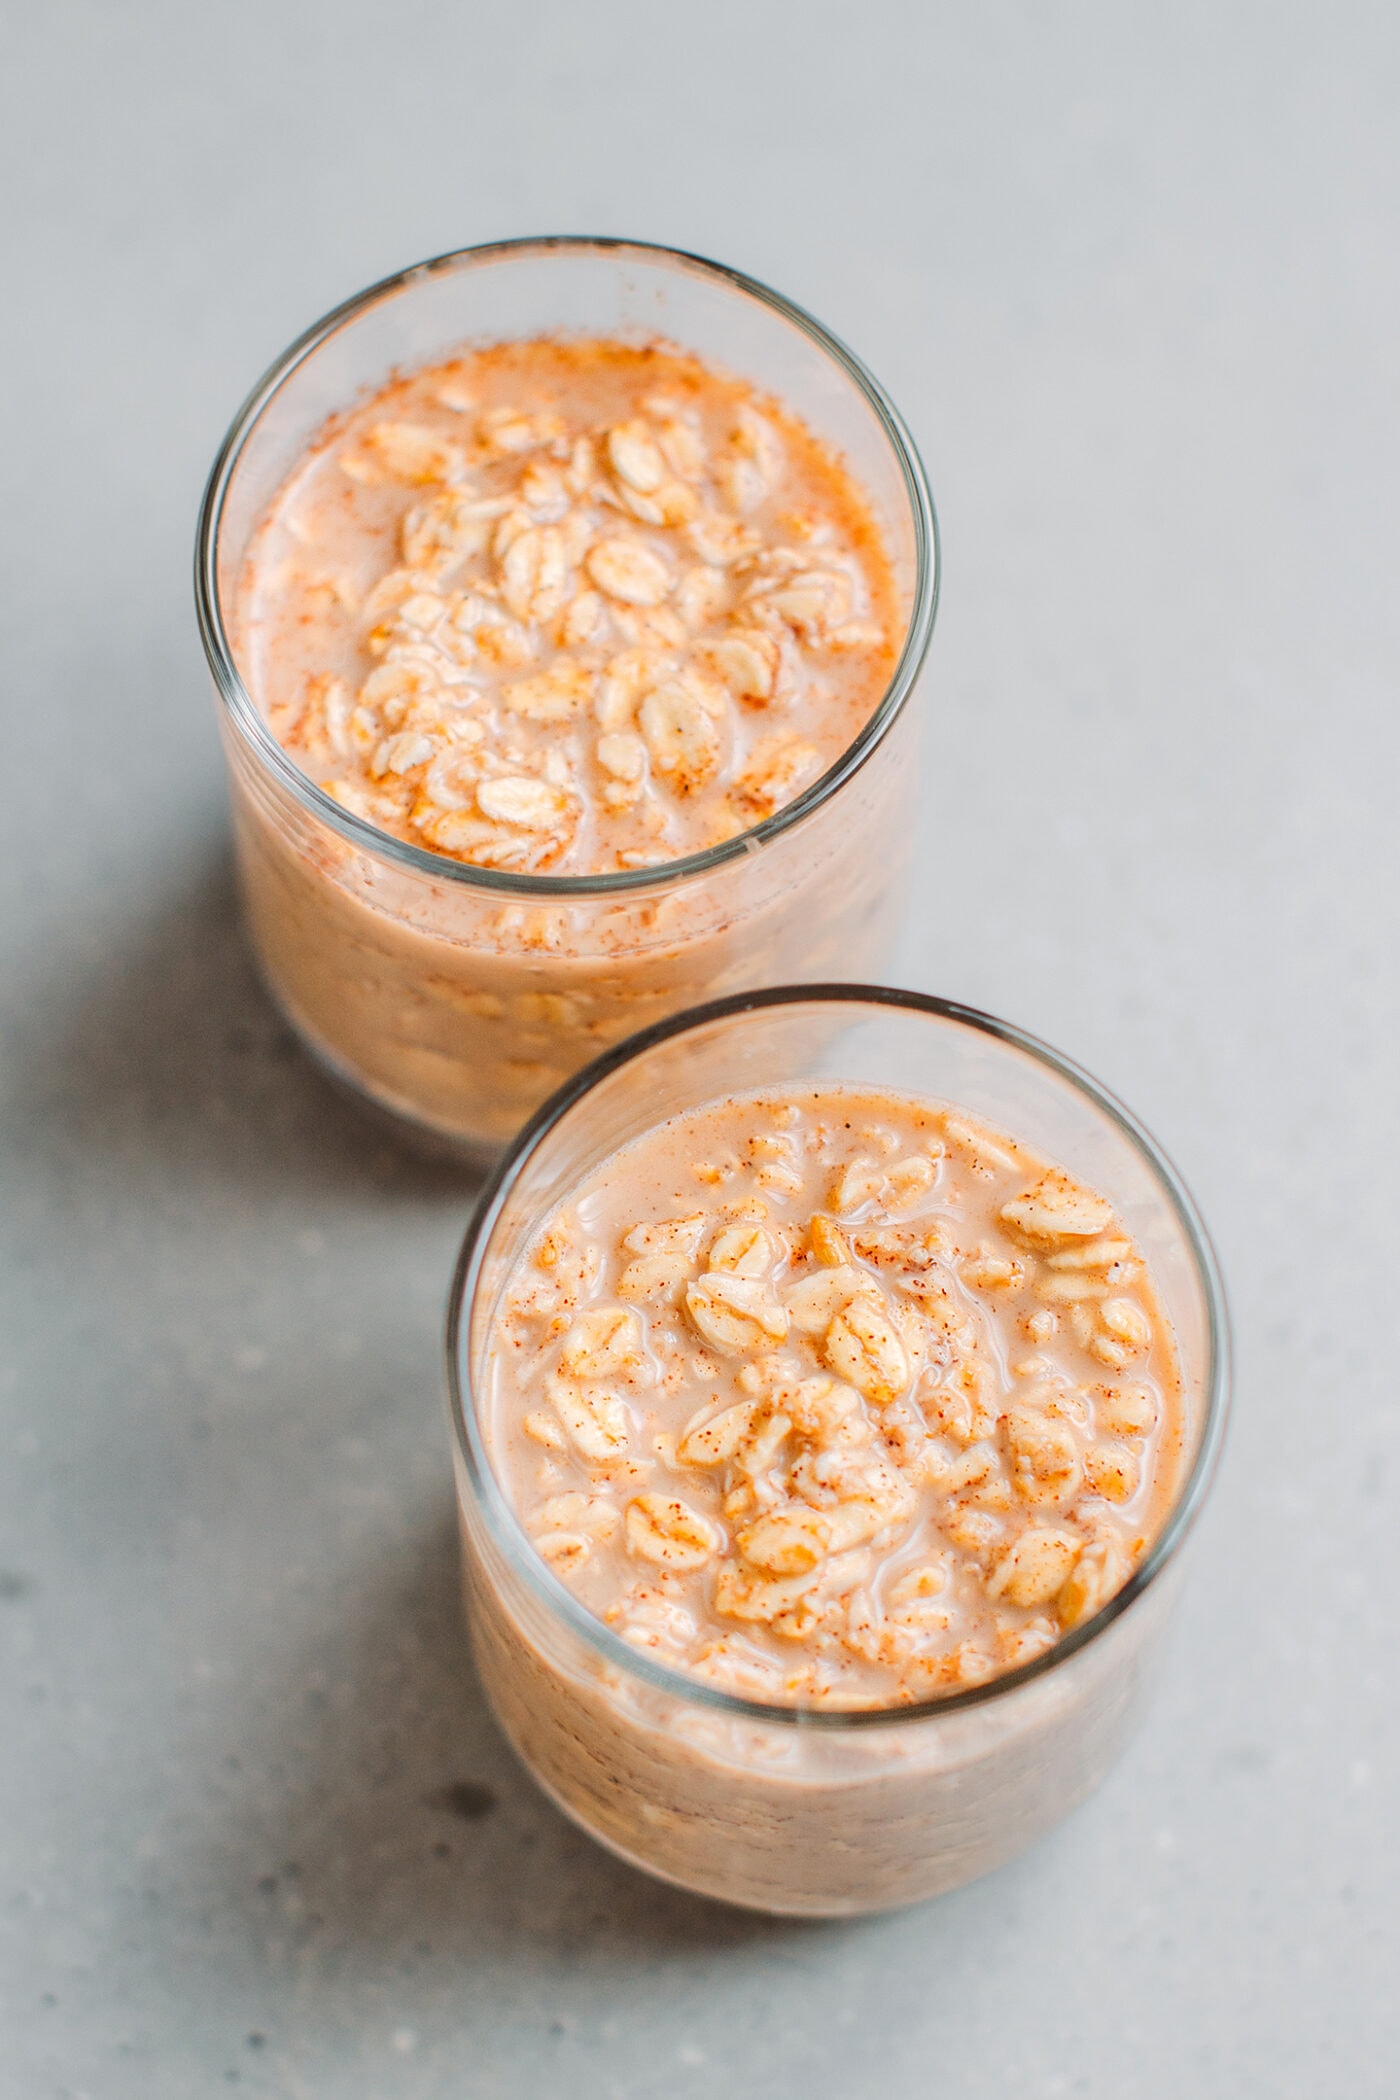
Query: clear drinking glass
[
  {"x": 456, "y": 997},
  {"x": 813, "y": 1811}
]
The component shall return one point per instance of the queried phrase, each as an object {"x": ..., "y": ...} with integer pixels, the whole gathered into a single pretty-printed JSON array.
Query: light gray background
[{"x": 1131, "y": 270}]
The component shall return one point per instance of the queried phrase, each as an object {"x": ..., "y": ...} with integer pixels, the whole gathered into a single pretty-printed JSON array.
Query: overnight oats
[
  {"x": 818, "y": 1438},
  {"x": 567, "y": 667}
]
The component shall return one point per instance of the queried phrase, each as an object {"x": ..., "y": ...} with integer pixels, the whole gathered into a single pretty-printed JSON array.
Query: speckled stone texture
[{"x": 1132, "y": 273}]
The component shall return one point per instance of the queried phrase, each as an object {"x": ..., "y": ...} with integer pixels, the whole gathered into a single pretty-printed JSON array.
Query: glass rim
[
  {"x": 367, "y": 837},
  {"x": 508, "y": 1531}
]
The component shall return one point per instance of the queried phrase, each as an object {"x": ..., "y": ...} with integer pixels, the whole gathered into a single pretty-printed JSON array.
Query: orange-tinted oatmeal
[
  {"x": 567, "y": 607},
  {"x": 561, "y": 608},
  {"x": 836, "y": 1397}
]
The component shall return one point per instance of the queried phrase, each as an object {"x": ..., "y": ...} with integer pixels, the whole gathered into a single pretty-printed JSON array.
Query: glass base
[{"x": 444, "y": 1148}]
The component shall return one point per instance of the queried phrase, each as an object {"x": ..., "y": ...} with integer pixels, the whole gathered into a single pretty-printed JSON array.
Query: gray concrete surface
[{"x": 1132, "y": 272}]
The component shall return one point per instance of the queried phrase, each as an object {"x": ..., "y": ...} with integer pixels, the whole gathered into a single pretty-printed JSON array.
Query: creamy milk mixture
[
  {"x": 837, "y": 1396},
  {"x": 565, "y": 607}
]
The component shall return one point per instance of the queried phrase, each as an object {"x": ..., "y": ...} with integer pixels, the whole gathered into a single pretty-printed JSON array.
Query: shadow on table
[
  {"x": 389, "y": 1828},
  {"x": 363, "y": 1811},
  {"x": 168, "y": 1060}
]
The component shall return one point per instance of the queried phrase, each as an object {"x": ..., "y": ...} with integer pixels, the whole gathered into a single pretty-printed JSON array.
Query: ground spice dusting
[
  {"x": 567, "y": 607},
  {"x": 838, "y": 1397}
]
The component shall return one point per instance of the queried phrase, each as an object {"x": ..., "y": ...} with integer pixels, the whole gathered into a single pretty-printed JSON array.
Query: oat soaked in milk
[
  {"x": 836, "y": 1396},
  {"x": 567, "y": 607}
]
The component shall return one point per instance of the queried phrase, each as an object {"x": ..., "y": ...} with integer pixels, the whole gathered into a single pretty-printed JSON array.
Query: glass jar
[
  {"x": 457, "y": 997},
  {"x": 799, "y": 1810}
]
